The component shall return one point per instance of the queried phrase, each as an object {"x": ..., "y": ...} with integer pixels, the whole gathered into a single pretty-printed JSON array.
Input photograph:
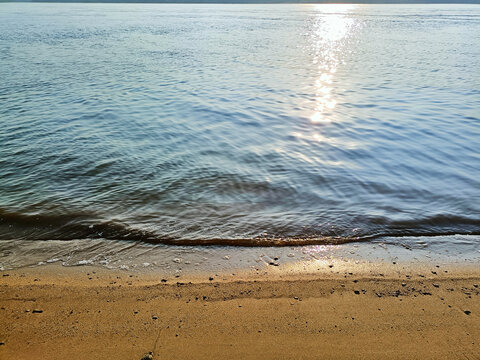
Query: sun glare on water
[{"x": 332, "y": 26}]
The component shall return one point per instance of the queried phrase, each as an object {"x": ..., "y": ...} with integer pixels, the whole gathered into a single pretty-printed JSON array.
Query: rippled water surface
[{"x": 223, "y": 123}]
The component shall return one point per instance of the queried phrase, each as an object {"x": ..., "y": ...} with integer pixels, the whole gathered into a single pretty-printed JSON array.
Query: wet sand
[{"x": 403, "y": 312}]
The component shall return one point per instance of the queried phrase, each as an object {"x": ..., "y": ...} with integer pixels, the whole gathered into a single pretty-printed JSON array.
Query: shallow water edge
[{"x": 179, "y": 261}]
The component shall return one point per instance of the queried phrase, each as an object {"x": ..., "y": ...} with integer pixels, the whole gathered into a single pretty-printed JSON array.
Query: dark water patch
[
  {"x": 66, "y": 227},
  {"x": 83, "y": 226}
]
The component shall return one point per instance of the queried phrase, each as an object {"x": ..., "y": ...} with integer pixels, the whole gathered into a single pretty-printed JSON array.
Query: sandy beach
[
  {"x": 409, "y": 312},
  {"x": 239, "y": 179}
]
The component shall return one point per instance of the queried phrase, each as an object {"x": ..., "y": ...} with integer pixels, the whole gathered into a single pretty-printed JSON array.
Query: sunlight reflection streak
[{"x": 332, "y": 27}]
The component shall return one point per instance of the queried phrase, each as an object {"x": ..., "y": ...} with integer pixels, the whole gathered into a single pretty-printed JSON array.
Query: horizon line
[{"x": 253, "y": 2}]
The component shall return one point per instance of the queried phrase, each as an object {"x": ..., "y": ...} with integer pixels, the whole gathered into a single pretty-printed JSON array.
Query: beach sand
[{"x": 408, "y": 312}]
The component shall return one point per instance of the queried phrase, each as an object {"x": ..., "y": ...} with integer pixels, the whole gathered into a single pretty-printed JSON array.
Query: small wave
[
  {"x": 84, "y": 226},
  {"x": 66, "y": 227}
]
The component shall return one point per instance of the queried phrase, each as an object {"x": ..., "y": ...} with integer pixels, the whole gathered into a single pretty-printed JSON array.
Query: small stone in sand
[
  {"x": 37, "y": 311},
  {"x": 148, "y": 356},
  {"x": 2, "y": 343},
  {"x": 436, "y": 285},
  {"x": 356, "y": 292},
  {"x": 468, "y": 312},
  {"x": 403, "y": 284},
  {"x": 154, "y": 317},
  {"x": 210, "y": 278}
]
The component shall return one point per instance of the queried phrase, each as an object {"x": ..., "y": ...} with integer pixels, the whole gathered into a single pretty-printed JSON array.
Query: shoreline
[
  {"x": 187, "y": 260},
  {"x": 371, "y": 310}
]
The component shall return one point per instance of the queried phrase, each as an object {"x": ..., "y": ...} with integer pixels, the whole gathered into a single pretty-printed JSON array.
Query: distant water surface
[{"x": 239, "y": 124}]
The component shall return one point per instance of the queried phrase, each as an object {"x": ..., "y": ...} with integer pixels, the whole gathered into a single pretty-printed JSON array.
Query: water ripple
[{"x": 238, "y": 125}]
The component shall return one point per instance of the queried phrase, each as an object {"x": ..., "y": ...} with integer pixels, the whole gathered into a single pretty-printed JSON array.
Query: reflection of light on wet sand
[{"x": 332, "y": 27}]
